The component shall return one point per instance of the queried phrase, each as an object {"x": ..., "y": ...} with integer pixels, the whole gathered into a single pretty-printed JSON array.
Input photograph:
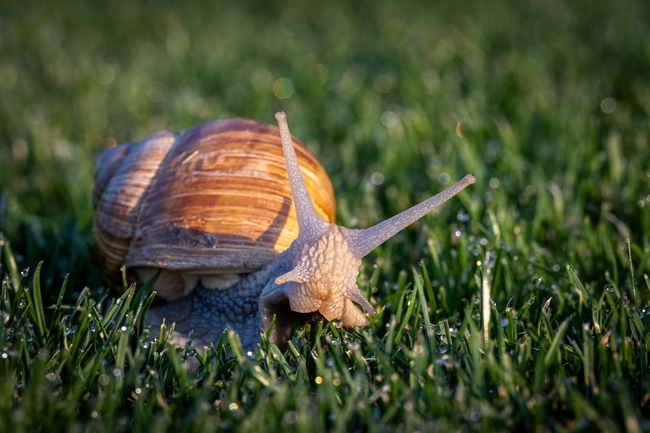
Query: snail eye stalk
[{"x": 310, "y": 224}]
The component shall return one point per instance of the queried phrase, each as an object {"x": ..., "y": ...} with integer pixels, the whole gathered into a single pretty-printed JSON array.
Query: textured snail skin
[
  {"x": 207, "y": 312},
  {"x": 315, "y": 276}
]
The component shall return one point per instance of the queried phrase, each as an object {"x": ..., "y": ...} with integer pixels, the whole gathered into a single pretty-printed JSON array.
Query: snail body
[{"x": 237, "y": 220}]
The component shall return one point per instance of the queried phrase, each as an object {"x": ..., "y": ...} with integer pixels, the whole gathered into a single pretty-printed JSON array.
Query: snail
[{"x": 236, "y": 240}]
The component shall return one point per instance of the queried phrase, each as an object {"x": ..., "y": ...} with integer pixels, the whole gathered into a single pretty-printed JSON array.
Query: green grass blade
[
  {"x": 553, "y": 350},
  {"x": 56, "y": 314},
  {"x": 38, "y": 303},
  {"x": 12, "y": 268},
  {"x": 424, "y": 308}
]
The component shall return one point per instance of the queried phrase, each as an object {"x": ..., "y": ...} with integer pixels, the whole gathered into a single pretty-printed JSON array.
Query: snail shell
[{"x": 209, "y": 203}]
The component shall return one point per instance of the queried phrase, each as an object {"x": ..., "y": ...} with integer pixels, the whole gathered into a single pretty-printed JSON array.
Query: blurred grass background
[{"x": 546, "y": 102}]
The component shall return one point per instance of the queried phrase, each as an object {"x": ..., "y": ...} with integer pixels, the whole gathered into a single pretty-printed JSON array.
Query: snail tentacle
[
  {"x": 362, "y": 242},
  {"x": 310, "y": 224}
]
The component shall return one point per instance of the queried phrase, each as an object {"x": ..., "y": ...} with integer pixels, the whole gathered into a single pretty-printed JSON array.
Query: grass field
[{"x": 546, "y": 102}]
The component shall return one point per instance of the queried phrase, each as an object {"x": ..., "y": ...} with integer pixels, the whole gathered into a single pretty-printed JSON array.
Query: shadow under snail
[{"x": 235, "y": 236}]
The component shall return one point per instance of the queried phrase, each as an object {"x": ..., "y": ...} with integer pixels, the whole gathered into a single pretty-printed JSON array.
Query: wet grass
[{"x": 523, "y": 304}]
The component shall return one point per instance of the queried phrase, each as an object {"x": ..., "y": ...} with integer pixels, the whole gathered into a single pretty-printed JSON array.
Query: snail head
[{"x": 326, "y": 257}]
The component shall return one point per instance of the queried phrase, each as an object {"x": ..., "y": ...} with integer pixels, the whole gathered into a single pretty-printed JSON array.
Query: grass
[{"x": 523, "y": 304}]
